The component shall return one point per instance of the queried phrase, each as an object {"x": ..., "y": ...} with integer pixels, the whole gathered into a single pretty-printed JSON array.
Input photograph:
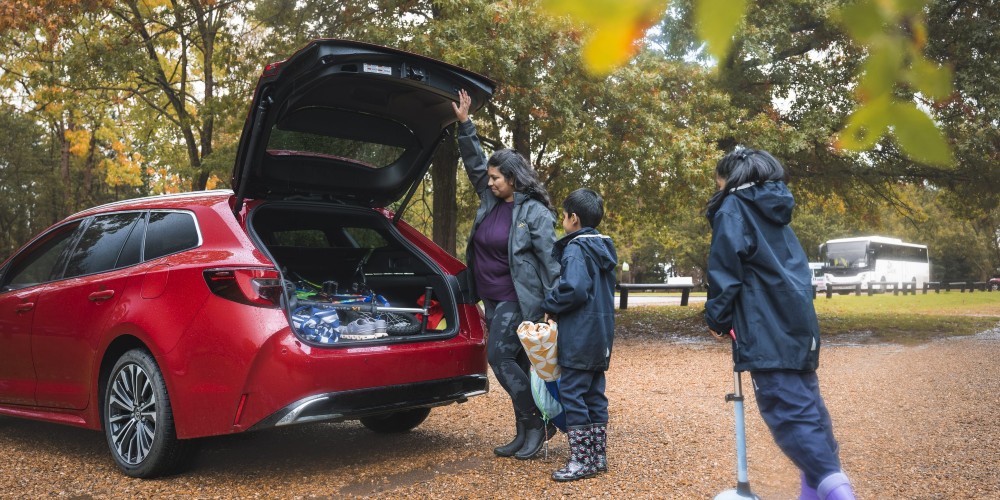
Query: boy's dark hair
[{"x": 587, "y": 205}]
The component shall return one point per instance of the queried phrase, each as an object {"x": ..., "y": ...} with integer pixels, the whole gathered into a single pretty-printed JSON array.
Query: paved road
[{"x": 637, "y": 300}]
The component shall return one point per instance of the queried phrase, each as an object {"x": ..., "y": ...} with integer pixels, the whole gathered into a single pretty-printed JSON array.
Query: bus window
[{"x": 843, "y": 255}]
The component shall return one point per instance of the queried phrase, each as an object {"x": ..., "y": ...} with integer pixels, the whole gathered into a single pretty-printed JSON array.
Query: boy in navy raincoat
[
  {"x": 583, "y": 300},
  {"x": 760, "y": 286}
]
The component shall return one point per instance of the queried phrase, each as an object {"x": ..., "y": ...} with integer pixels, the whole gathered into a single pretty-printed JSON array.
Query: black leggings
[{"x": 506, "y": 355}]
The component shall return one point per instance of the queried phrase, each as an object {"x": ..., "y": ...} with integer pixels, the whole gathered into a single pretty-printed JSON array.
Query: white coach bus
[{"x": 874, "y": 259}]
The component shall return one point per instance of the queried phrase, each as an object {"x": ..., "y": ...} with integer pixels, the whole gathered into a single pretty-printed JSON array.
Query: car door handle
[
  {"x": 24, "y": 307},
  {"x": 102, "y": 295}
]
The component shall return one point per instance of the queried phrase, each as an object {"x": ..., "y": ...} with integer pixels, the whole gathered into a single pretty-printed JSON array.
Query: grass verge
[{"x": 881, "y": 318}]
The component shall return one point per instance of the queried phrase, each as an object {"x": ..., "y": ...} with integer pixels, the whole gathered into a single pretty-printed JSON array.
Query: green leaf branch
[{"x": 892, "y": 32}]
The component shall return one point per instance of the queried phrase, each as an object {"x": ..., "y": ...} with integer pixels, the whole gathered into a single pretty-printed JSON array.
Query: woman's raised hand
[{"x": 462, "y": 108}]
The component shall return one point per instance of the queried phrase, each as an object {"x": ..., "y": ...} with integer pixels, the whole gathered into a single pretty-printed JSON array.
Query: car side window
[
  {"x": 169, "y": 232},
  {"x": 132, "y": 251},
  {"x": 101, "y": 242},
  {"x": 37, "y": 264}
]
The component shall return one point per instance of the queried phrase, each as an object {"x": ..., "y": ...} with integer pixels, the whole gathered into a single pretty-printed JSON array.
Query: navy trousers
[
  {"x": 581, "y": 393},
  {"x": 794, "y": 411}
]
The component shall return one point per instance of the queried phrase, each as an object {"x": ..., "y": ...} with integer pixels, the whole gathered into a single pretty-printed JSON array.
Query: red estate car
[{"x": 298, "y": 297}]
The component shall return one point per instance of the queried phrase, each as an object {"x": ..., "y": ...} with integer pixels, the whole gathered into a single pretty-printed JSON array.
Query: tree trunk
[
  {"x": 207, "y": 29},
  {"x": 522, "y": 134},
  {"x": 64, "y": 158},
  {"x": 445, "y": 206},
  {"x": 443, "y": 184}
]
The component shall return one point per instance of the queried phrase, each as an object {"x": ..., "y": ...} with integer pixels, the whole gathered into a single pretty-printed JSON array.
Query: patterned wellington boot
[
  {"x": 600, "y": 447},
  {"x": 581, "y": 456}
]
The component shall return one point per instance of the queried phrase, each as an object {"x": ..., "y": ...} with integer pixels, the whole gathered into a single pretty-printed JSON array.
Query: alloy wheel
[{"x": 132, "y": 413}]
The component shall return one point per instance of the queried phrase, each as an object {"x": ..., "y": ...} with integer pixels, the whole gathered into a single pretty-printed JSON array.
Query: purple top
[{"x": 491, "y": 261}]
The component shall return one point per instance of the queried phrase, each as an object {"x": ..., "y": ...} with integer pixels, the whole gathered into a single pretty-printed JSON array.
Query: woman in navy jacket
[{"x": 760, "y": 287}]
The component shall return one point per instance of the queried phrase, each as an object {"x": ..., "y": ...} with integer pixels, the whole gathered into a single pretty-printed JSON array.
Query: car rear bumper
[
  {"x": 231, "y": 377},
  {"x": 349, "y": 405}
]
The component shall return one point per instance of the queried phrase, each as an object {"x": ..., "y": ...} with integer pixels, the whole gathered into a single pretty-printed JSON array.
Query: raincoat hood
[
  {"x": 593, "y": 244},
  {"x": 772, "y": 200}
]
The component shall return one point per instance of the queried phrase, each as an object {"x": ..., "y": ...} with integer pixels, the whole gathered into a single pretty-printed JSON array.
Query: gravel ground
[{"x": 913, "y": 422}]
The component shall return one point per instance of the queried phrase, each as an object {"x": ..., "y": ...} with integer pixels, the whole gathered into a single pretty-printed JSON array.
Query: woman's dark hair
[
  {"x": 587, "y": 205},
  {"x": 515, "y": 168},
  {"x": 744, "y": 166}
]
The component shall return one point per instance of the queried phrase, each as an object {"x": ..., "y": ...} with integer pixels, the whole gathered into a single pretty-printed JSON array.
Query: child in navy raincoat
[
  {"x": 583, "y": 300},
  {"x": 760, "y": 286}
]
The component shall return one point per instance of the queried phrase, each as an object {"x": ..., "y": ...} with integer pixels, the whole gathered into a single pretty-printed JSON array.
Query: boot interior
[{"x": 330, "y": 256}]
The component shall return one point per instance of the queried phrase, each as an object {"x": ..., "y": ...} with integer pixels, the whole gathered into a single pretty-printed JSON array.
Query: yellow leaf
[
  {"x": 79, "y": 141},
  {"x": 716, "y": 22},
  {"x": 615, "y": 25},
  {"x": 609, "y": 48},
  {"x": 123, "y": 170},
  {"x": 930, "y": 79},
  {"x": 862, "y": 20},
  {"x": 865, "y": 126},
  {"x": 881, "y": 70},
  {"x": 918, "y": 136},
  {"x": 596, "y": 12}
]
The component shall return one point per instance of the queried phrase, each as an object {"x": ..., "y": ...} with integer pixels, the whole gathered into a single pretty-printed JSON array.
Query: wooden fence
[{"x": 905, "y": 287}]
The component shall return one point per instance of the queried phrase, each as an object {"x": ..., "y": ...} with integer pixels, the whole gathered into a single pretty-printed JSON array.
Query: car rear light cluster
[
  {"x": 252, "y": 286},
  {"x": 271, "y": 69}
]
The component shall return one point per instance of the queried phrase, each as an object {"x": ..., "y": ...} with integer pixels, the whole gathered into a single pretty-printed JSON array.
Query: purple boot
[
  {"x": 835, "y": 487},
  {"x": 807, "y": 492}
]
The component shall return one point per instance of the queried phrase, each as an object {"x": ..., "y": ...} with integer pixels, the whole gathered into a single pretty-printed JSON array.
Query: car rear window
[
  {"x": 340, "y": 134},
  {"x": 308, "y": 238},
  {"x": 298, "y": 143},
  {"x": 346, "y": 237},
  {"x": 363, "y": 237}
]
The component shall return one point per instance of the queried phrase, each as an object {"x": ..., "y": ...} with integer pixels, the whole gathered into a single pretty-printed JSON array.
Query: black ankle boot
[
  {"x": 509, "y": 449},
  {"x": 534, "y": 437}
]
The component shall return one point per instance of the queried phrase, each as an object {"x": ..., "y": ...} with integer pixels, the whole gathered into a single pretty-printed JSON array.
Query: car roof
[{"x": 167, "y": 201}]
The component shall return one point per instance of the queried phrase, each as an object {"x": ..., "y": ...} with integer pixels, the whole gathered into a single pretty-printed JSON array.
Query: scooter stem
[{"x": 742, "y": 479}]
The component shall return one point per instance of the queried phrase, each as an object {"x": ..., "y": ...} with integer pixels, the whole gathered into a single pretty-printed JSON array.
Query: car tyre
[
  {"x": 138, "y": 420},
  {"x": 400, "y": 421},
  {"x": 995, "y": 287}
]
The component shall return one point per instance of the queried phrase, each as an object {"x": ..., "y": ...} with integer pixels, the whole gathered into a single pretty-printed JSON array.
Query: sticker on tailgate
[{"x": 377, "y": 69}]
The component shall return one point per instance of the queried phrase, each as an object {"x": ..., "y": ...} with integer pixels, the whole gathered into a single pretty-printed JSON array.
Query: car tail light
[
  {"x": 251, "y": 286},
  {"x": 271, "y": 69}
]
